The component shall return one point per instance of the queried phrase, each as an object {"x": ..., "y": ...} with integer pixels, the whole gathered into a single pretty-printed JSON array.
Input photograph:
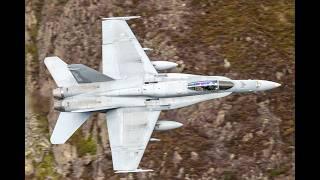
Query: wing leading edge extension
[
  {"x": 129, "y": 131},
  {"x": 122, "y": 54}
]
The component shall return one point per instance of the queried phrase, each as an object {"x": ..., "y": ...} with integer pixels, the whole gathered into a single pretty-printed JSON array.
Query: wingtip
[
  {"x": 133, "y": 171},
  {"x": 122, "y": 18},
  {"x": 55, "y": 140},
  {"x": 51, "y": 58},
  {"x": 46, "y": 59}
]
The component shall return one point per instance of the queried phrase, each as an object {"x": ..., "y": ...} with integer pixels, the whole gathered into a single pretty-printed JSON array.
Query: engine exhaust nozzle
[
  {"x": 57, "y": 105},
  {"x": 58, "y": 93}
]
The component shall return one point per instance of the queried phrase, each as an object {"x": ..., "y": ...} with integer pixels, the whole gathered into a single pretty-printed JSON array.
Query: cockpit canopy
[{"x": 210, "y": 85}]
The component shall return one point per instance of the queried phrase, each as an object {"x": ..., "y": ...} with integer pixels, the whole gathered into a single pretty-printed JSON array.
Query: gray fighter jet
[{"x": 131, "y": 92}]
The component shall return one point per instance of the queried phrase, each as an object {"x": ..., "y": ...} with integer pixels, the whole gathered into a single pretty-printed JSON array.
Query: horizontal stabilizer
[
  {"x": 133, "y": 171},
  {"x": 59, "y": 72},
  {"x": 84, "y": 74},
  {"x": 66, "y": 125}
]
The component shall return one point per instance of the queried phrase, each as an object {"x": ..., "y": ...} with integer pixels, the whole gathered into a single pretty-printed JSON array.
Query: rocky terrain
[{"x": 242, "y": 136}]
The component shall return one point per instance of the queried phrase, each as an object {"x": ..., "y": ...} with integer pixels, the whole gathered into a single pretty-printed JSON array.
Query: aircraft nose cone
[
  {"x": 276, "y": 85},
  {"x": 266, "y": 85}
]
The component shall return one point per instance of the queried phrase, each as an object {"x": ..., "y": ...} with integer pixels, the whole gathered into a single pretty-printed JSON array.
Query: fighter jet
[{"x": 131, "y": 92}]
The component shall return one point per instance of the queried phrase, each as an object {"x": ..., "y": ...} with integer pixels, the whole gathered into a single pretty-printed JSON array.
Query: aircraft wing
[
  {"x": 122, "y": 54},
  {"x": 129, "y": 132}
]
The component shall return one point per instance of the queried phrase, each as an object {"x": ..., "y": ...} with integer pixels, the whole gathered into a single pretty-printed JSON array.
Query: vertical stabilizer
[{"x": 59, "y": 71}]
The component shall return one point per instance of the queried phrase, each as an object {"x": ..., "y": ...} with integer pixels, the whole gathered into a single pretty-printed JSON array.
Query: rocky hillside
[{"x": 242, "y": 136}]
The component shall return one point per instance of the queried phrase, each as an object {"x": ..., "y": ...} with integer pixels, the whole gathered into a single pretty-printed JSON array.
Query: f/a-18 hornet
[{"x": 131, "y": 92}]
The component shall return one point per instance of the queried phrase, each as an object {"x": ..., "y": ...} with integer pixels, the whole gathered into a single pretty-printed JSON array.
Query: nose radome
[
  {"x": 277, "y": 84},
  {"x": 266, "y": 85}
]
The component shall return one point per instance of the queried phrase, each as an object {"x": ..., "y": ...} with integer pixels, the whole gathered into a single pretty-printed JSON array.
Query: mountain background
[{"x": 241, "y": 136}]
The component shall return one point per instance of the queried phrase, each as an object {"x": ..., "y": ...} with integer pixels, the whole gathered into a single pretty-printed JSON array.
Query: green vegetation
[
  {"x": 84, "y": 146},
  {"x": 257, "y": 38},
  {"x": 277, "y": 171},
  {"x": 43, "y": 124},
  {"x": 37, "y": 7},
  {"x": 33, "y": 30},
  {"x": 31, "y": 45},
  {"x": 62, "y": 2},
  {"x": 229, "y": 175},
  {"x": 45, "y": 169},
  {"x": 87, "y": 146},
  {"x": 31, "y": 48},
  {"x": 247, "y": 29}
]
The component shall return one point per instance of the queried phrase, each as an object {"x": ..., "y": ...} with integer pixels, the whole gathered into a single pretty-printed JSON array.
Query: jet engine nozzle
[
  {"x": 167, "y": 125},
  {"x": 57, "y": 105},
  {"x": 58, "y": 93}
]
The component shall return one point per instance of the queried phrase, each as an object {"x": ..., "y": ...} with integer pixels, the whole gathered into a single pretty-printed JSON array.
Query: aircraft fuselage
[{"x": 155, "y": 92}]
